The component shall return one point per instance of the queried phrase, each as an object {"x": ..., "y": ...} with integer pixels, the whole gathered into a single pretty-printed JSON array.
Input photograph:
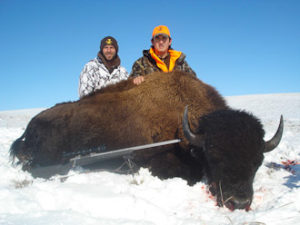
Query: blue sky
[{"x": 241, "y": 47}]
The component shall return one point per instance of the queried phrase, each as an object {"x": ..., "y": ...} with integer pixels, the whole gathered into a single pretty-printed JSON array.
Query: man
[
  {"x": 103, "y": 70},
  {"x": 160, "y": 57}
]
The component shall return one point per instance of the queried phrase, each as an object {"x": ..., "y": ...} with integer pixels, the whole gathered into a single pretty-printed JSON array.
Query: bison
[{"x": 223, "y": 145}]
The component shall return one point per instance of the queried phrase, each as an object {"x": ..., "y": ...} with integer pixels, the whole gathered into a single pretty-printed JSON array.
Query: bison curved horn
[
  {"x": 194, "y": 139},
  {"x": 271, "y": 144}
]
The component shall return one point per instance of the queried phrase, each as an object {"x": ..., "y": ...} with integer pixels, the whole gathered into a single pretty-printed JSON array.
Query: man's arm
[
  {"x": 137, "y": 72},
  {"x": 86, "y": 83},
  {"x": 137, "y": 68},
  {"x": 187, "y": 68}
]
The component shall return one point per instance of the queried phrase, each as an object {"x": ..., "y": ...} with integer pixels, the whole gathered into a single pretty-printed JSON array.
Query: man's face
[
  {"x": 161, "y": 43},
  {"x": 109, "y": 52}
]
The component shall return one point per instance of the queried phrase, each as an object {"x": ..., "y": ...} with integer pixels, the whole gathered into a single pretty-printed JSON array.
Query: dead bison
[{"x": 225, "y": 145}]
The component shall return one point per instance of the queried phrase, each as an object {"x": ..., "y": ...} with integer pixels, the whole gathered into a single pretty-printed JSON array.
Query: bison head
[{"x": 231, "y": 145}]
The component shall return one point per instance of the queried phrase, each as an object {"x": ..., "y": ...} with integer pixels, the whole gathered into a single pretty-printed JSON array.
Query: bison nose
[{"x": 235, "y": 203}]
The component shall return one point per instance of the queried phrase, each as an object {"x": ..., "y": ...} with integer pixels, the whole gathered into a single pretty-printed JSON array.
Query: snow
[{"x": 105, "y": 198}]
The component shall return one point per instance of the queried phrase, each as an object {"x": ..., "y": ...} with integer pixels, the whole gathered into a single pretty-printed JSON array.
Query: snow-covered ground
[{"x": 103, "y": 198}]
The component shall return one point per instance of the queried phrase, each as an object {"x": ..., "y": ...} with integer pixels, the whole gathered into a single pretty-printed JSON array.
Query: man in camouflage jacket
[
  {"x": 103, "y": 70},
  {"x": 160, "y": 57}
]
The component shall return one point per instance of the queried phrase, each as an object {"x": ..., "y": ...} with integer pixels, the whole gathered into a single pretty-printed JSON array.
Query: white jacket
[{"x": 95, "y": 76}]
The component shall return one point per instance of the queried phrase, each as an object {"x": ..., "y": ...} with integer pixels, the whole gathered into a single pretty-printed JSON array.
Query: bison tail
[{"x": 16, "y": 149}]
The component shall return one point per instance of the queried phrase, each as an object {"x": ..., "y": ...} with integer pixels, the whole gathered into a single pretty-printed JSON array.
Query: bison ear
[
  {"x": 196, "y": 140},
  {"x": 271, "y": 144}
]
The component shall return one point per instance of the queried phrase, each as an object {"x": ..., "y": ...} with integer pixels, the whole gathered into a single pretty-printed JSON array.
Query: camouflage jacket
[
  {"x": 95, "y": 76},
  {"x": 147, "y": 64}
]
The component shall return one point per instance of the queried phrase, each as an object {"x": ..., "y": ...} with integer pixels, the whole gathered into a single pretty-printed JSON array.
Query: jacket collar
[{"x": 174, "y": 56}]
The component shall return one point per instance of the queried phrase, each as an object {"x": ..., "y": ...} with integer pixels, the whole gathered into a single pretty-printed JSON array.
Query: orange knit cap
[{"x": 161, "y": 29}]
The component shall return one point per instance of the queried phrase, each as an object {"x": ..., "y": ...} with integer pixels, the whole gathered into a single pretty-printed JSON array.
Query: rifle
[{"x": 62, "y": 169}]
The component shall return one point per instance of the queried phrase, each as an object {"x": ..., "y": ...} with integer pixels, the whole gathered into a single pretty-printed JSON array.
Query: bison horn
[
  {"x": 196, "y": 140},
  {"x": 271, "y": 144}
]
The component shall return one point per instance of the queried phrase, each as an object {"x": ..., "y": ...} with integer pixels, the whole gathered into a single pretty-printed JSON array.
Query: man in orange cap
[{"x": 160, "y": 57}]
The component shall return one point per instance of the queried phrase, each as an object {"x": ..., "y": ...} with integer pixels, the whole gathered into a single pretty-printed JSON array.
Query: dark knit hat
[{"x": 109, "y": 41}]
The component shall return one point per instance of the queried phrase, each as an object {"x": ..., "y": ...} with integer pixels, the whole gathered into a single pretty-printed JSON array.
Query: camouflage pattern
[{"x": 146, "y": 65}]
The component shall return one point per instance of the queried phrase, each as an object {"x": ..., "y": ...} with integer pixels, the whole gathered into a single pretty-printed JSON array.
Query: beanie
[{"x": 109, "y": 41}]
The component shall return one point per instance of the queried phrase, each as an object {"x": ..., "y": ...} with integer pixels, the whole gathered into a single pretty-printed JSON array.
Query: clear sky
[{"x": 239, "y": 46}]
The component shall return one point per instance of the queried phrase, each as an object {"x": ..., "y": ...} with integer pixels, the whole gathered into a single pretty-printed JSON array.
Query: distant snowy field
[{"x": 103, "y": 198}]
